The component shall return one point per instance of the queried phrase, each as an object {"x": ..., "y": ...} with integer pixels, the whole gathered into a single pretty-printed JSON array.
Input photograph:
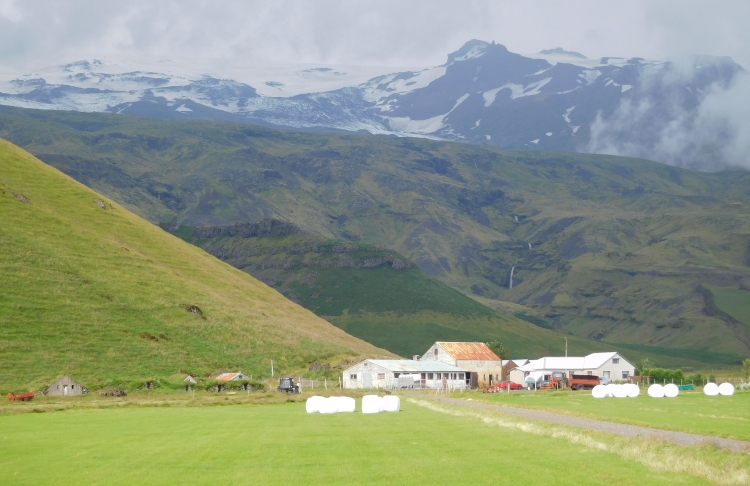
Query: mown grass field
[
  {"x": 689, "y": 412},
  {"x": 281, "y": 444}
]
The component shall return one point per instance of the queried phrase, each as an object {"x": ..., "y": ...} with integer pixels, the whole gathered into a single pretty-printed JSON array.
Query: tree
[
  {"x": 746, "y": 368},
  {"x": 644, "y": 364},
  {"x": 498, "y": 348}
]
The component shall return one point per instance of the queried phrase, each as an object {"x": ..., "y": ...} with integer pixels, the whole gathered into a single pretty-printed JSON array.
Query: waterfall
[{"x": 511, "y": 278}]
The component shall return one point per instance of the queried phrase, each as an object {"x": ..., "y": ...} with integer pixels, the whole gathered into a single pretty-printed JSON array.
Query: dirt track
[{"x": 681, "y": 438}]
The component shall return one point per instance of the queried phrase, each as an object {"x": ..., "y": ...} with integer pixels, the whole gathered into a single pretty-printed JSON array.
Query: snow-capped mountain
[{"x": 482, "y": 94}]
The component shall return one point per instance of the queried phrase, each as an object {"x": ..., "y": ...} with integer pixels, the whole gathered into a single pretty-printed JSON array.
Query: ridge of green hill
[
  {"x": 91, "y": 290},
  {"x": 607, "y": 248}
]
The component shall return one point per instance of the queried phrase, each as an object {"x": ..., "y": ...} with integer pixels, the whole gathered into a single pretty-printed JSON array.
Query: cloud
[{"x": 679, "y": 121}]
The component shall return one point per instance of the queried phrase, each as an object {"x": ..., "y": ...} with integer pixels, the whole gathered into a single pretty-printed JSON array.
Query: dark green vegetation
[
  {"x": 371, "y": 293},
  {"x": 622, "y": 250},
  {"x": 91, "y": 290},
  {"x": 281, "y": 444}
]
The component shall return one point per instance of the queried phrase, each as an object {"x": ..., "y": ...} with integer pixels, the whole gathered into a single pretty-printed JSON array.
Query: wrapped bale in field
[
  {"x": 656, "y": 391},
  {"x": 346, "y": 404},
  {"x": 599, "y": 391},
  {"x": 610, "y": 390},
  {"x": 711, "y": 389},
  {"x": 633, "y": 390},
  {"x": 671, "y": 390},
  {"x": 726, "y": 389},
  {"x": 391, "y": 403},
  {"x": 329, "y": 405},
  {"x": 620, "y": 391},
  {"x": 312, "y": 405},
  {"x": 372, "y": 404}
]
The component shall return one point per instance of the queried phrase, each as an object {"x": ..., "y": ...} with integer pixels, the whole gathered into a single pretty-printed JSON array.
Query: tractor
[{"x": 286, "y": 384}]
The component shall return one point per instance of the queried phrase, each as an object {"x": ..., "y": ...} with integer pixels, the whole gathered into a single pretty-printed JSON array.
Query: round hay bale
[
  {"x": 711, "y": 389},
  {"x": 620, "y": 391},
  {"x": 391, "y": 403},
  {"x": 633, "y": 390},
  {"x": 329, "y": 405},
  {"x": 610, "y": 390},
  {"x": 599, "y": 391},
  {"x": 656, "y": 391},
  {"x": 346, "y": 404},
  {"x": 671, "y": 390},
  {"x": 312, "y": 405},
  {"x": 371, "y": 404},
  {"x": 726, "y": 389}
]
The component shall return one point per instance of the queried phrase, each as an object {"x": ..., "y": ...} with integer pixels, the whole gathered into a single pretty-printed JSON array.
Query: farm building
[
  {"x": 232, "y": 377},
  {"x": 65, "y": 386},
  {"x": 399, "y": 374},
  {"x": 607, "y": 366},
  {"x": 512, "y": 371},
  {"x": 484, "y": 366}
]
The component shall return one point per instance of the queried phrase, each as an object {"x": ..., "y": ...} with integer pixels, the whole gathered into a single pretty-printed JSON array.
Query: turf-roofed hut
[
  {"x": 65, "y": 386},
  {"x": 484, "y": 366}
]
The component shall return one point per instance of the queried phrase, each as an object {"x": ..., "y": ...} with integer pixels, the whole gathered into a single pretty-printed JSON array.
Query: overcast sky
[{"x": 399, "y": 33}]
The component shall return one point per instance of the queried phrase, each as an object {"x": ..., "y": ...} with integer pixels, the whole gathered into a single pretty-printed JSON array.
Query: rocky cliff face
[{"x": 265, "y": 227}]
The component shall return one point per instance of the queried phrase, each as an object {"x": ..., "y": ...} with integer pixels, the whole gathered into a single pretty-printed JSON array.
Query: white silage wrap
[
  {"x": 610, "y": 390},
  {"x": 633, "y": 390},
  {"x": 391, "y": 403},
  {"x": 329, "y": 405},
  {"x": 619, "y": 391},
  {"x": 711, "y": 389},
  {"x": 671, "y": 390},
  {"x": 346, "y": 404},
  {"x": 656, "y": 391},
  {"x": 599, "y": 391},
  {"x": 726, "y": 389},
  {"x": 372, "y": 404},
  {"x": 312, "y": 405}
]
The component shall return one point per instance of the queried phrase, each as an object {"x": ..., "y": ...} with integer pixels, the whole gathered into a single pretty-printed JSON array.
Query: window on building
[
  {"x": 436, "y": 352},
  {"x": 429, "y": 376},
  {"x": 396, "y": 375},
  {"x": 352, "y": 377},
  {"x": 460, "y": 376},
  {"x": 381, "y": 376},
  {"x": 589, "y": 372},
  {"x": 625, "y": 375},
  {"x": 615, "y": 360}
]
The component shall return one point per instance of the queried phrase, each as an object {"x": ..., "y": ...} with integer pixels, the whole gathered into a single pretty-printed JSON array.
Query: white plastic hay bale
[
  {"x": 610, "y": 390},
  {"x": 633, "y": 390},
  {"x": 656, "y": 391},
  {"x": 391, "y": 403},
  {"x": 371, "y": 404},
  {"x": 711, "y": 389},
  {"x": 312, "y": 405},
  {"x": 620, "y": 391},
  {"x": 726, "y": 389},
  {"x": 671, "y": 390},
  {"x": 329, "y": 405},
  {"x": 599, "y": 391},
  {"x": 346, "y": 404}
]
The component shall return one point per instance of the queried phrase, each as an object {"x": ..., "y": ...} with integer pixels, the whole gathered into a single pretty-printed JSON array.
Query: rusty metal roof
[
  {"x": 469, "y": 351},
  {"x": 231, "y": 377}
]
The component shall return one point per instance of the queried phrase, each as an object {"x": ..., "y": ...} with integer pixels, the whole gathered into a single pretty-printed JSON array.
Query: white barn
[
  {"x": 608, "y": 367},
  {"x": 390, "y": 374}
]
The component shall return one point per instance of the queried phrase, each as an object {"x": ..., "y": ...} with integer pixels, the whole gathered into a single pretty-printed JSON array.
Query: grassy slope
[
  {"x": 81, "y": 283},
  {"x": 733, "y": 301},
  {"x": 281, "y": 444},
  {"x": 691, "y": 412},
  {"x": 620, "y": 246}
]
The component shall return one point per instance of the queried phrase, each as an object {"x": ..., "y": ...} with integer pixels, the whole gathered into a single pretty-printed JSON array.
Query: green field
[
  {"x": 281, "y": 444},
  {"x": 733, "y": 301},
  {"x": 689, "y": 412}
]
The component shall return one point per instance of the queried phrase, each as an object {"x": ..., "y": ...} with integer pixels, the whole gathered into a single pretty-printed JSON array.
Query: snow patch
[
  {"x": 626, "y": 87},
  {"x": 516, "y": 90},
  {"x": 183, "y": 109},
  {"x": 549, "y": 134},
  {"x": 536, "y": 142},
  {"x": 488, "y": 137},
  {"x": 566, "y": 115}
]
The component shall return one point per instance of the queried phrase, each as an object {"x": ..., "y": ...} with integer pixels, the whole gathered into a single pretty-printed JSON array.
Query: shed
[
  {"x": 484, "y": 366},
  {"x": 65, "y": 386},
  {"x": 608, "y": 367},
  {"x": 399, "y": 374}
]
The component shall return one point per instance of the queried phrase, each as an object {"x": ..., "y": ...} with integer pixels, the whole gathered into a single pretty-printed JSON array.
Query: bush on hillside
[{"x": 661, "y": 375}]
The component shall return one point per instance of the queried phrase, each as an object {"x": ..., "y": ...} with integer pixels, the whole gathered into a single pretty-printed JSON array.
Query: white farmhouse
[
  {"x": 484, "y": 366},
  {"x": 608, "y": 367},
  {"x": 390, "y": 374}
]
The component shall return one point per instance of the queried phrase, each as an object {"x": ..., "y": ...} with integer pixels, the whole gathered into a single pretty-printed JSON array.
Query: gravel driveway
[{"x": 680, "y": 438}]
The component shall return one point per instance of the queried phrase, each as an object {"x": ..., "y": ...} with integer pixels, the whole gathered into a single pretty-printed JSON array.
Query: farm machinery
[
  {"x": 583, "y": 382},
  {"x": 21, "y": 397},
  {"x": 286, "y": 384}
]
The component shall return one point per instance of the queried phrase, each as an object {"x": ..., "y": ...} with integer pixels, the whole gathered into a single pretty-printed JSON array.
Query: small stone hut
[{"x": 66, "y": 386}]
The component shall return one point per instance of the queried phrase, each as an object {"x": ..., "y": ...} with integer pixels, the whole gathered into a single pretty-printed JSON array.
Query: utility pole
[
  {"x": 271, "y": 368},
  {"x": 566, "y": 346}
]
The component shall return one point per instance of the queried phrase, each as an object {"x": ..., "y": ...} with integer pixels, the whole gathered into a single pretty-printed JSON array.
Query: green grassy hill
[
  {"x": 611, "y": 249},
  {"x": 94, "y": 291}
]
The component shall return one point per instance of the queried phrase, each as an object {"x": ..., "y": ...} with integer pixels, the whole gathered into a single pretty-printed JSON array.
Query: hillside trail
[{"x": 680, "y": 438}]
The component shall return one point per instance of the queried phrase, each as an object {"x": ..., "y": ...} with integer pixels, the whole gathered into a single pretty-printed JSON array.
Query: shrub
[{"x": 659, "y": 375}]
